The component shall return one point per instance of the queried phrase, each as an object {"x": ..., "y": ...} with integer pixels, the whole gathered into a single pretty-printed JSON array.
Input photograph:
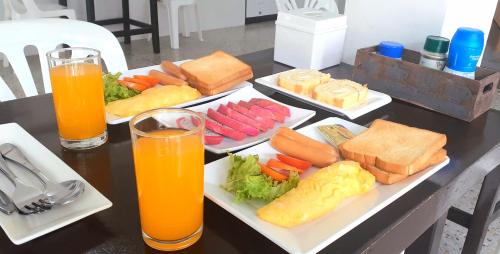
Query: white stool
[{"x": 173, "y": 7}]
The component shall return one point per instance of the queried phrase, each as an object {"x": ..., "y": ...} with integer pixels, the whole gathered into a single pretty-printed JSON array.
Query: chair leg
[
  {"x": 153, "y": 8},
  {"x": 184, "y": 12},
  {"x": 174, "y": 25},
  {"x": 197, "y": 17},
  {"x": 126, "y": 21},
  {"x": 485, "y": 206}
]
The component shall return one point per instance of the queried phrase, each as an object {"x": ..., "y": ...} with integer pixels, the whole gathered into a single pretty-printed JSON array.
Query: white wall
[
  {"x": 409, "y": 22},
  {"x": 214, "y": 13}
]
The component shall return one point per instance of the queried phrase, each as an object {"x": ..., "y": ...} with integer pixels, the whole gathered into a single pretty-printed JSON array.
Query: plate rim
[
  {"x": 336, "y": 235},
  {"x": 382, "y": 97},
  {"x": 104, "y": 202}
]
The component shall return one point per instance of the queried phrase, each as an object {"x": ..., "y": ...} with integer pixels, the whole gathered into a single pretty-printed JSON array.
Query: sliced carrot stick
[
  {"x": 272, "y": 173},
  {"x": 138, "y": 81},
  {"x": 132, "y": 85},
  {"x": 151, "y": 80},
  {"x": 272, "y": 163}
]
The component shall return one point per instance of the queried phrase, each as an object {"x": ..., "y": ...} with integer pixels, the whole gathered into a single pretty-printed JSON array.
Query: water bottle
[{"x": 465, "y": 49}]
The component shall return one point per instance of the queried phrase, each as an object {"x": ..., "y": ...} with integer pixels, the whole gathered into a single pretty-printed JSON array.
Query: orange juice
[
  {"x": 169, "y": 174},
  {"x": 78, "y": 94}
]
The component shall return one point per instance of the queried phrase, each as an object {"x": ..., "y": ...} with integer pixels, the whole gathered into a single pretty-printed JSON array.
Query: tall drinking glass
[
  {"x": 169, "y": 160},
  {"x": 78, "y": 93}
]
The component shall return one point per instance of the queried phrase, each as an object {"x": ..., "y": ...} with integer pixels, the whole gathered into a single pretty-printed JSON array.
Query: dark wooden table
[
  {"x": 127, "y": 32},
  {"x": 117, "y": 230}
]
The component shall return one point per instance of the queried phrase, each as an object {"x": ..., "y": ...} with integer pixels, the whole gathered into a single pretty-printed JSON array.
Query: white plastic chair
[
  {"x": 328, "y": 5},
  {"x": 174, "y": 8},
  {"x": 46, "y": 35},
  {"x": 28, "y": 9},
  {"x": 25, "y": 9}
]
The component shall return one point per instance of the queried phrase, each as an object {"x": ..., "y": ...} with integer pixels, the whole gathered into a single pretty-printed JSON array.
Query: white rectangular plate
[
  {"x": 114, "y": 119},
  {"x": 22, "y": 228},
  {"x": 297, "y": 116},
  {"x": 374, "y": 99},
  {"x": 317, "y": 234}
]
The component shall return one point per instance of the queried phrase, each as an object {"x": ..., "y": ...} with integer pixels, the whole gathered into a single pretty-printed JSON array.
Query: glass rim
[
  {"x": 149, "y": 113},
  {"x": 96, "y": 51}
]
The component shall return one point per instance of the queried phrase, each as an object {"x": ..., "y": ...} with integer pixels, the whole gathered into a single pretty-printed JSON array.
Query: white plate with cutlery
[{"x": 23, "y": 228}]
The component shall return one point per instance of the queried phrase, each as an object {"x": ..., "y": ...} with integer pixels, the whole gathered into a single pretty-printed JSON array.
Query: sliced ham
[
  {"x": 229, "y": 122},
  {"x": 271, "y": 105},
  {"x": 210, "y": 138},
  {"x": 228, "y": 132},
  {"x": 268, "y": 123},
  {"x": 231, "y": 113}
]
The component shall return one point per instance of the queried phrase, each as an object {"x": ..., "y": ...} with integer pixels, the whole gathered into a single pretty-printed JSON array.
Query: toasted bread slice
[
  {"x": 215, "y": 70},
  {"x": 302, "y": 81},
  {"x": 393, "y": 147},
  {"x": 385, "y": 177},
  {"x": 222, "y": 87},
  {"x": 342, "y": 93}
]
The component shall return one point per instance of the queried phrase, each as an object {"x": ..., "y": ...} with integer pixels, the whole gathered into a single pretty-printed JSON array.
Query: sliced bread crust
[
  {"x": 385, "y": 177},
  {"x": 393, "y": 147},
  {"x": 215, "y": 69}
]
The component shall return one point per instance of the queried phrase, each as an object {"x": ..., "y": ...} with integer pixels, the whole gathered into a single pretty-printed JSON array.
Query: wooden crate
[{"x": 406, "y": 80}]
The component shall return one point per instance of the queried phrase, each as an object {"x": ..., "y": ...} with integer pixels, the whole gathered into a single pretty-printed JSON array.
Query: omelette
[
  {"x": 156, "y": 97},
  {"x": 318, "y": 194}
]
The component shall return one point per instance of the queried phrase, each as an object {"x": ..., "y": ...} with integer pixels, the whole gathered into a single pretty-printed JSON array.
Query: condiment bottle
[
  {"x": 465, "y": 49},
  {"x": 391, "y": 49},
  {"x": 434, "y": 53}
]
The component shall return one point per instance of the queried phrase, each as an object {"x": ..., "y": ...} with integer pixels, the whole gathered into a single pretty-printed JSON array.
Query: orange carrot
[
  {"x": 132, "y": 85},
  {"x": 272, "y": 173},
  {"x": 138, "y": 81},
  {"x": 151, "y": 80}
]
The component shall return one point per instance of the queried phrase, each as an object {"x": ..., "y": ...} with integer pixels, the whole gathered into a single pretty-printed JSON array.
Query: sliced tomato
[
  {"x": 272, "y": 173},
  {"x": 138, "y": 81},
  {"x": 298, "y": 163},
  {"x": 281, "y": 165},
  {"x": 132, "y": 85},
  {"x": 151, "y": 80}
]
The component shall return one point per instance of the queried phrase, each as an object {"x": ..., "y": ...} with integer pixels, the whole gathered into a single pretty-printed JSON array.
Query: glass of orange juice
[
  {"x": 78, "y": 93},
  {"x": 169, "y": 161}
]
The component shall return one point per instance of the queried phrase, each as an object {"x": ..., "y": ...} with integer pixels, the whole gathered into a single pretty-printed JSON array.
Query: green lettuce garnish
[
  {"x": 114, "y": 91},
  {"x": 246, "y": 181}
]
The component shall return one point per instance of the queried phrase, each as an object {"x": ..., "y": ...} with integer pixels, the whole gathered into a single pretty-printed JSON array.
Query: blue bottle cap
[
  {"x": 465, "y": 49},
  {"x": 391, "y": 49}
]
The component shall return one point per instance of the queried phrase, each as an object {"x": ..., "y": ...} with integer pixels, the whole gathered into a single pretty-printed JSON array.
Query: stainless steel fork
[{"x": 27, "y": 199}]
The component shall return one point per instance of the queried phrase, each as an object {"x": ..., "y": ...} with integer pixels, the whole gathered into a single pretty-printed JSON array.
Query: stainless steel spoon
[{"x": 61, "y": 193}]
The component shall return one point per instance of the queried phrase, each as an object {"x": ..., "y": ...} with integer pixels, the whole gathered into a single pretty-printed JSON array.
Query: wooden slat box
[{"x": 406, "y": 80}]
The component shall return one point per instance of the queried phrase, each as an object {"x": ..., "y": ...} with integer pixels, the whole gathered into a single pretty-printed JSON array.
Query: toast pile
[
  {"x": 392, "y": 151},
  {"x": 216, "y": 72}
]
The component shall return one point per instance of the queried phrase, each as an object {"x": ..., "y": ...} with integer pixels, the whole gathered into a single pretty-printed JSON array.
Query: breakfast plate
[
  {"x": 315, "y": 235},
  {"x": 22, "y": 228},
  {"x": 297, "y": 116},
  {"x": 114, "y": 119},
  {"x": 374, "y": 99}
]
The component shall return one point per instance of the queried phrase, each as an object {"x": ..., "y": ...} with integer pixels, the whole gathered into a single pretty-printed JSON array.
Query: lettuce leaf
[
  {"x": 114, "y": 91},
  {"x": 246, "y": 181}
]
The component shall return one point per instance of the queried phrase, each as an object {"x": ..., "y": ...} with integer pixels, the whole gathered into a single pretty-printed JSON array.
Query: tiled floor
[{"x": 251, "y": 38}]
